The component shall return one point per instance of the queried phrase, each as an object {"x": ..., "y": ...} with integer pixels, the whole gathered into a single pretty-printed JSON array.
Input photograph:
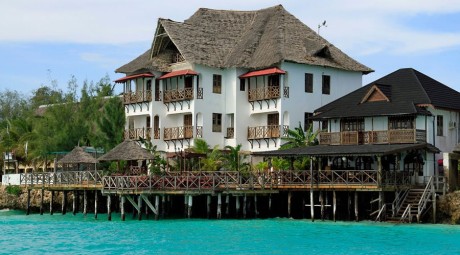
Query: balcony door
[
  {"x": 188, "y": 128},
  {"x": 273, "y": 125},
  {"x": 156, "y": 127}
]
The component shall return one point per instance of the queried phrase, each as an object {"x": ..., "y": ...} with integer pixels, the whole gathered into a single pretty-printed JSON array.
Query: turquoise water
[{"x": 69, "y": 234}]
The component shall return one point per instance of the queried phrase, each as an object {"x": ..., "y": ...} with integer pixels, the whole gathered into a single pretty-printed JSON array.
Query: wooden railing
[
  {"x": 175, "y": 95},
  {"x": 135, "y": 133},
  {"x": 176, "y": 133},
  {"x": 270, "y": 131},
  {"x": 230, "y": 133},
  {"x": 263, "y": 93},
  {"x": 394, "y": 136},
  {"x": 83, "y": 178},
  {"x": 137, "y": 97}
]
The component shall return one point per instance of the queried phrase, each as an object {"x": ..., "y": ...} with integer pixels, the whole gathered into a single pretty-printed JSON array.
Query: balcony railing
[
  {"x": 394, "y": 136},
  {"x": 176, "y": 133},
  {"x": 156, "y": 133},
  {"x": 175, "y": 95},
  {"x": 230, "y": 133},
  {"x": 269, "y": 92},
  {"x": 137, "y": 97},
  {"x": 270, "y": 131},
  {"x": 135, "y": 133}
]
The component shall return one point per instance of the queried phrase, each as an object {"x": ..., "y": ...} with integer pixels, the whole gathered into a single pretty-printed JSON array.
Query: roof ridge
[{"x": 412, "y": 71}]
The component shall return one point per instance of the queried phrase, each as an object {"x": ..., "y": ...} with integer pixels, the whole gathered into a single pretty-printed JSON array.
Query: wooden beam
[
  {"x": 131, "y": 201},
  {"x": 95, "y": 204},
  {"x": 157, "y": 203},
  {"x": 219, "y": 205},
  {"x": 150, "y": 205},
  {"x": 109, "y": 209},
  {"x": 122, "y": 207},
  {"x": 334, "y": 202},
  {"x": 51, "y": 202}
]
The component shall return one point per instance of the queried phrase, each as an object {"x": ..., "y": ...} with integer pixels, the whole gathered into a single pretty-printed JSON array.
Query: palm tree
[
  {"x": 298, "y": 138},
  {"x": 213, "y": 158},
  {"x": 234, "y": 159}
]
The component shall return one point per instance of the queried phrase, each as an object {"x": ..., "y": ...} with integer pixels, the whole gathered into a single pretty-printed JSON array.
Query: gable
[{"x": 377, "y": 93}]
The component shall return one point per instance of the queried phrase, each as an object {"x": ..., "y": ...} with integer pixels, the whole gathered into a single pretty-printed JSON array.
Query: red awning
[
  {"x": 131, "y": 77},
  {"x": 178, "y": 73},
  {"x": 268, "y": 71}
]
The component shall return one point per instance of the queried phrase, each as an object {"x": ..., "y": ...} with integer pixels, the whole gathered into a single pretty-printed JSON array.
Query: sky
[{"x": 50, "y": 41}]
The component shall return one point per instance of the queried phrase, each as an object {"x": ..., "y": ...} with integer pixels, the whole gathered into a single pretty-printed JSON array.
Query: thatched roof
[
  {"x": 78, "y": 156},
  {"x": 246, "y": 39},
  {"x": 127, "y": 150}
]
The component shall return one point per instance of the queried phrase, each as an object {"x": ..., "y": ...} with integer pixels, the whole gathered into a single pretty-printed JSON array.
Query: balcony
[
  {"x": 395, "y": 136},
  {"x": 270, "y": 131},
  {"x": 135, "y": 133},
  {"x": 177, "y": 133},
  {"x": 230, "y": 133},
  {"x": 269, "y": 92},
  {"x": 137, "y": 97},
  {"x": 175, "y": 95}
]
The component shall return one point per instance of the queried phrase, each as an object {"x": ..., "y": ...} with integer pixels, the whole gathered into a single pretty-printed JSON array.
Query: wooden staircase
[{"x": 408, "y": 210}]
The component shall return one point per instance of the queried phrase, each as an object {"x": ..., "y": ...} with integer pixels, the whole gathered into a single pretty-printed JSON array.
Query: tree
[
  {"x": 298, "y": 138},
  {"x": 234, "y": 159},
  {"x": 111, "y": 124}
]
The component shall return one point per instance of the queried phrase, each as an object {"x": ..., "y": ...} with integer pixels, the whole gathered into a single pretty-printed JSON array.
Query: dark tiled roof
[
  {"x": 344, "y": 150},
  {"x": 406, "y": 88},
  {"x": 247, "y": 39}
]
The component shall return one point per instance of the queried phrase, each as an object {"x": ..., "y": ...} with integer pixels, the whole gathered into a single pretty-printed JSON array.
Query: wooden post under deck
[
  {"x": 334, "y": 202},
  {"x": 312, "y": 206},
  {"x": 163, "y": 206},
  {"x": 190, "y": 204},
  {"x": 109, "y": 209},
  {"x": 208, "y": 206},
  {"x": 321, "y": 200},
  {"x": 219, "y": 205},
  {"x": 95, "y": 204},
  {"x": 41, "y": 201},
  {"x": 270, "y": 205},
  {"x": 64, "y": 202},
  {"x": 74, "y": 203},
  {"x": 256, "y": 211},
  {"x": 51, "y": 202},
  {"x": 139, "y": 209},
  {"x": 289, "y": 203},
  {"x": 227, "y": 204},
  {"x": 244, "y": 206},
  {"x": 85, "y": 203},
  {"x": 157, "y": 203},
  {"x": 185, "y": 205},
  {"x": 122, "y": 207},
  {"x": 237, "y": 206},
  {"x": 356, "y": 206}
]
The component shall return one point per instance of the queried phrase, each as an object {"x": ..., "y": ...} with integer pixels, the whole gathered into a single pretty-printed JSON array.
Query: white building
[{"x": 232, "y": 77}]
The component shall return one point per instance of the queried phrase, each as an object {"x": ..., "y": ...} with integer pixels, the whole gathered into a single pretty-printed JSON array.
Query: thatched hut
[{"x": 78, "y": 159}]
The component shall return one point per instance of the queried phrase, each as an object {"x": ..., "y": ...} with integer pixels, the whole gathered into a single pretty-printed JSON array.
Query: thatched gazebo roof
[
  {"x": 78, "y": 156},
  {"x": 127, "y": 150}
]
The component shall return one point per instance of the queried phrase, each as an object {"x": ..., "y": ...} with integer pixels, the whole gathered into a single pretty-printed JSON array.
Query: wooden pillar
[
  {"x": 237, "y": 206},
  {"x": 334, "y": 204},
  {"x": 157, "y": 203},
  {"x": 208, "y": 206},
  {"x": 434, "y": 204},
  {"x": 321, "y": 200},
  {"x": 122, "y": 207},
  {"x": 219, "y": 205},
  {"x": 244, "y": 206},
  {"x": 312, "y": 206},
  {"x": 270, "y": 204},
  {"x": 227, "y": 205},
  {"x": 163, "y": 206},
  {"x": 95, "y": 204},
  {"x": 41, "y": 200},
  {"x": 379, "y": 171},
  {"x": 256, "y": 211},
  {"x": 190, "y": 204},
  {"x": 185, "y": 205},
  {"x": 74, "y": 203},
  {"x": 85, "y": 203},
  {"x": 289, "y": 204},
  {"x": 349, "y": 205},
  {"x": 109, "y": 209},
  {"x": 28, "y": 202},
  {"x": 139, "y": 205},
  {"x": 64, "y": 202},
  {"x": 51, "y": 202},
  {"x": 356, "y": 206}
]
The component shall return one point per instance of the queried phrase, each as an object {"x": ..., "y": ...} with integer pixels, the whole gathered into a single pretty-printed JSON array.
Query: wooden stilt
[
  {"x": 109, "y": 209},
  {"x": 185, "y": 206},
  {"x": 356, "y": 206},
  {"x": 51, "y": 203},
  {"x": 349, "y": 205},
  {"x": 41, "y": 201},
  {"x": 208, "y": 206},
  {"x": 74, "y": 203},
  {"x": 85, "y": 203},
  {"x": 321, "y": 200},
  {"x": 157, "y": 203},
  {"x": 237, "y": 206},
  {"x": 139, "y": 207},
  {"x": 244, "y": 206},
  {"x": 303, "y": 207},
  {"x": 64, "y": 202},
  {"x": 256, "y": 211},
  {"x": 95, "y": 204},
  {"x": 334, "y": 202},
  {"x": 270, "y": 205},
  {"x": 227, "y": 205},
  {"x": 28, "y": 202},
  {"x": 190, "y": 204},
  {"x": 289, "y": 204},
  {"x": 312, "y": 206},
  {"x": 163, "y": 206},
  {"x": 219, "y": 205},
  {"x": 122, "y": 207},
  {"x": 434, "y": 205}
]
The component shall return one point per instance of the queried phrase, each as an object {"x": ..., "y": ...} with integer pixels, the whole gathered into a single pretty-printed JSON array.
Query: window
[
  {"x": 352, "y": 124},
  {"x": 274, "y": 81},
  {"x": 439, "y": 125},
  {"x": 217, "y": 83},
  {"x": 216, "y": 122},
  {"x": 326, "y": 84},
  {"x": 309, "y": 82},
  {"x": 324, "y": 125},
  {"x": 401, "y": 123},
  {"x": 307, "y": 121},
  {"x": 242, "y": 84}
]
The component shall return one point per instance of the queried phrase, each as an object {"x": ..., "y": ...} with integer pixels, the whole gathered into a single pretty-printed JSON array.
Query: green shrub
[{"x": 14, "y": 190}]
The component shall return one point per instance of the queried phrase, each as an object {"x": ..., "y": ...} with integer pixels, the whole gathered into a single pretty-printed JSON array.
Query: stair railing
[
  {"x": 382, "y": 211},
  {"x": 425, "y": 198},
  {"x": 407, "y": 214},
  {"x": 398, "y": 202}
]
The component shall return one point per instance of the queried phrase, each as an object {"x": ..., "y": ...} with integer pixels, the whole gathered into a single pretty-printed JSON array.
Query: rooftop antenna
[{"x": 322, "y": 25}]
